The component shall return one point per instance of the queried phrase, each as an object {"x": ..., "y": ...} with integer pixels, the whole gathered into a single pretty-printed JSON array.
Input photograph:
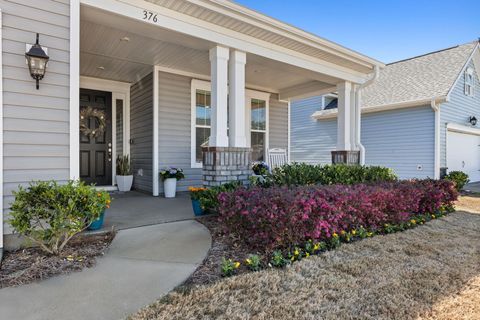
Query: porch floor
[{"x": 135, "y": 209}]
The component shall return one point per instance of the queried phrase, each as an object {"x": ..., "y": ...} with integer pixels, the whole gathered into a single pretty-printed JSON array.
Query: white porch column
[
  {"x": 346, "y": 117},
  {"x": 219, "y": 74},
  {"x": 237, "y": 135}
]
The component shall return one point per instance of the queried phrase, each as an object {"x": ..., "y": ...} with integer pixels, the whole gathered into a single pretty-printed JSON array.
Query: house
[
  {"x": 418, "y": 117},
  {"x": 170, "y": 83}
]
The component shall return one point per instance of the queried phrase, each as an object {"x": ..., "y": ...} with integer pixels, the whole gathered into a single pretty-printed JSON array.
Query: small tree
[{"x": 51, "y": 214}]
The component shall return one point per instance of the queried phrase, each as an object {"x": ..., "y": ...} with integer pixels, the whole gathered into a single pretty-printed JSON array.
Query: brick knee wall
[{"x": 226, "y": 164}]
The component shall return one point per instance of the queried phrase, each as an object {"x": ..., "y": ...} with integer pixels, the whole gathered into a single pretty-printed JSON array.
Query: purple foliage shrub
[{"x": 279, "y": 217}]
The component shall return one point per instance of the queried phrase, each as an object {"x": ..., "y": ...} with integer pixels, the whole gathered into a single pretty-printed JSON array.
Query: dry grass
[{"x": 430, "y": 272}]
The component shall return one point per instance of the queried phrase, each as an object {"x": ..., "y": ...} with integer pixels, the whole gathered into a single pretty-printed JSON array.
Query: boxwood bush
[
  {"x": 50, "y": 214},
  {"x": 301, "y": 174},
  {"x": 459, "y": 178}
]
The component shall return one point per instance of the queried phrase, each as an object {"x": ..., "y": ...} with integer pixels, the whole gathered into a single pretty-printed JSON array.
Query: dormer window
[{"x": 469, "y": 82}]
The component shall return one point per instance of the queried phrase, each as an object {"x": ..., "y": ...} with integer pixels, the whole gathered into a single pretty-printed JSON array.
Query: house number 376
[{"x": 149, "y": 16}]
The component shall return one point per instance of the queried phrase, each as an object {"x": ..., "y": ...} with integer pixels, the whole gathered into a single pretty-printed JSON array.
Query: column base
[
  {"x": 226, "y": 164},
  {"x": 346, "y": 157}
]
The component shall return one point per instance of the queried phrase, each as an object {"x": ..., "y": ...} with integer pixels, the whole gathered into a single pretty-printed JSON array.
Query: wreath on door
[{"x": 101, "y": 118}]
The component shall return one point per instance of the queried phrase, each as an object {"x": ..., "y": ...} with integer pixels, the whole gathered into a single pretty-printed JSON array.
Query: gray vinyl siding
[
  {"x": 278, "y": 123},
  {"x": 311, "y": 140},
  {"x": 402, "y": 139},
  {"x": 458, "y": 110},
  {"x": 174, "y": 124},
  {"x": 36, "y": 122},
  {"x": 141, "y": 126},
  {"x": 399, "y": 139}
]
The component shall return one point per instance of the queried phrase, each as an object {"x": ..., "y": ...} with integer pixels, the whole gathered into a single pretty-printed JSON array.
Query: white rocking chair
[{"x": 276, "y": 157}]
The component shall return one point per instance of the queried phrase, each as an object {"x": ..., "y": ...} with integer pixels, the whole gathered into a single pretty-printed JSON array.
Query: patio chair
[{"x": 276, "y": 157}]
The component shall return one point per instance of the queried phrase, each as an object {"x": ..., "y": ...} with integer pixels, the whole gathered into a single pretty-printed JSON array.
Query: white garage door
[{"x": 463, "y": 154}]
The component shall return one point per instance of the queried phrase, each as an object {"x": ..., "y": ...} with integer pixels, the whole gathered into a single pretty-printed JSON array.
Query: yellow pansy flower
[{"x": 236, "y": 265}]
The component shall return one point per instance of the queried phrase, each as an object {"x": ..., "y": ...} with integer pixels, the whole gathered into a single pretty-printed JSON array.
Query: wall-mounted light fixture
[
  {"x": 37, "y": 60},
  {"x": 473, "y": 120}
]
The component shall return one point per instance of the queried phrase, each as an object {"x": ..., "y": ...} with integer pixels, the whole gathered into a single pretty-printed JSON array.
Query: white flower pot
[
  {"x": 124, "y": 183},
  {"x": 170, "y": 187}
]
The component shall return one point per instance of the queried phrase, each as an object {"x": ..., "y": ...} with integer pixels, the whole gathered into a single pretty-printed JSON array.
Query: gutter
[{"x": 358, "y": 111}]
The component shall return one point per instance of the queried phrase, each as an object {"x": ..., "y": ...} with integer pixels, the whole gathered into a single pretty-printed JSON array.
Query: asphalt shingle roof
[{"x": 419, "y": 78}]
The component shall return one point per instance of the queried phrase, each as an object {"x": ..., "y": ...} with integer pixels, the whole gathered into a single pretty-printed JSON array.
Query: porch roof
[{"x": 280, "y": 58}]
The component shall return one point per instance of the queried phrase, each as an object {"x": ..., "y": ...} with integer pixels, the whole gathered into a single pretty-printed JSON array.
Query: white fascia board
[
  {"x": 460, "y": 75},
  {"x": 173, "y": 20},
  {"x": 461, "y": 128},
  {"x": 332, "y": 113},
  {"x": 255, "y": 18},
  {"x": 104, "y": 85}
]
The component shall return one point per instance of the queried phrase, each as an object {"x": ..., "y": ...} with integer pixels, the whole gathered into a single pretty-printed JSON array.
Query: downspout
[
  {"x": 436, "y": 157},
  {"x": 358, "y": 112}
]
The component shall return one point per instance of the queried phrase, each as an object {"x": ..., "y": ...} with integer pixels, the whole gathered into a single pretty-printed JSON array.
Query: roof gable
[{"x": 420, "y": 78}]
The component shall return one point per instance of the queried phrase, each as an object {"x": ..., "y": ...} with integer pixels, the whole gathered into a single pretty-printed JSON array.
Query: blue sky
[{"x": 386, "y": 30}]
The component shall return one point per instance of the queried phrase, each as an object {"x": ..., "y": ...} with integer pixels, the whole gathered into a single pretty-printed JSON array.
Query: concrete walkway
[{"x": 141, "y": 265}]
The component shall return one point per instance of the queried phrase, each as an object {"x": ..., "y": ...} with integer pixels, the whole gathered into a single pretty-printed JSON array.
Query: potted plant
[
  {"x": 170, "y": 177},
  {"x": 195, "y": 195},
  {"x": 103, "y": 202},
  {"x": 124, "y": 173}
]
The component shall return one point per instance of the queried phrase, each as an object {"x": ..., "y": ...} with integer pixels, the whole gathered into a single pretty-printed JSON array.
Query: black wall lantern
[
  {"x": 37, "y": 61},
  {"x": 473, "y": 120}
]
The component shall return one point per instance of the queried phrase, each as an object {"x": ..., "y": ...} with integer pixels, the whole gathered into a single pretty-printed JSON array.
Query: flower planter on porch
[
  {"x": 197, "y": 208},
  {"x": 98, "y": 223}
]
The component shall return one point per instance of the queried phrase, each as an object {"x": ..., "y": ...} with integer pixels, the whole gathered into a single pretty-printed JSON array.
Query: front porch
[{"x": 182, "y": 93}]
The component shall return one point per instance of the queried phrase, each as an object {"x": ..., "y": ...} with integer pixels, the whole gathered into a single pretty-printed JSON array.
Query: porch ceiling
[{"x": 104, "y": 54}]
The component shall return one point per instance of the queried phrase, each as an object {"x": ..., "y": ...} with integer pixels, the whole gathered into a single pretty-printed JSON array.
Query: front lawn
[{"x": 429, "y": 272}]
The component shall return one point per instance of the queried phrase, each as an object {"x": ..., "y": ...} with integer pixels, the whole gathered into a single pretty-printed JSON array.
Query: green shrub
[
  {"x": 301, "y": 174},
  {"x": 50, "y": 214},
  {"x": 459, "y": 178},
  {"x": 209, "y": 197}
]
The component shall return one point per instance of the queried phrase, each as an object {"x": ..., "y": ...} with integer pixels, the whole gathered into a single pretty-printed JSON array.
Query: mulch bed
[
  {"x": 31, "y": 264},
  {"x": 222, "y": 246}
]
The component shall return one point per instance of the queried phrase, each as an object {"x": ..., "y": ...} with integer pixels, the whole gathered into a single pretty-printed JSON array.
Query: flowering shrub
[
  {"x": 196, "y": 192},
  {"x": 278, "y": 217},
  {"x": 260, "y": 168},
  {"x": 172, "y": 172}
]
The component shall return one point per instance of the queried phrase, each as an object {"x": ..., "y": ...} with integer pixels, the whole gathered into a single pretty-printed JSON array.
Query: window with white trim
[
  {"x": 469, "y": 82},
  {"x": 256, "y": 121},
  {"x": 258, "y": 129},
  {"x": 202, "y": 121}
]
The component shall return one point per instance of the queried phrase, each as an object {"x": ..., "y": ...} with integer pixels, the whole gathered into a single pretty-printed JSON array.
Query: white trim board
[
  {"x": 74, "y": 84},
  {"x": 332, "y": 113},
  {"x": 155, "y": 155},
  {"x": 461, "y": 128}
]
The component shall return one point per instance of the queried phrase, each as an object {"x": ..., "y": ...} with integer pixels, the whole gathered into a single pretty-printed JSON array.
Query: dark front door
[{"x": 96, "y": 137}]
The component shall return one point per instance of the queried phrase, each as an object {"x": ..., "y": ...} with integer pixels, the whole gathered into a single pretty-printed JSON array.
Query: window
[
  {"x": 202, "y": 122},
  {"x": 469, "y": 82},
  {"x": 258, "y": 127},
  {"x": 256, "y": 121}
]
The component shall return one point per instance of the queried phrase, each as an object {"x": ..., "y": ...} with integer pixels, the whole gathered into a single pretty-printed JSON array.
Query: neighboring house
[
  {"x": 161, "y": 74},
  {"x": 416, "y": 117}
]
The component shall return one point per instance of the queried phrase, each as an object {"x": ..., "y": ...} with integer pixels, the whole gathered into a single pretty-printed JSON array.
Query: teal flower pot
[
  {"x": 197, "y": 208},
  {"x": 98, "y": 223}
]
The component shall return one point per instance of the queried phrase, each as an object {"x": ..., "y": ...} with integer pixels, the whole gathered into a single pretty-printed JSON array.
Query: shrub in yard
[
  {"x": 209, "y": 197},
  {"x": 278, "y": 217},
  {"x": 50, "y": 214},
  {"x": 301, "y": 174},
  {"x": 459, "y": 178},
  {"x": 253, "y": 262}
]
